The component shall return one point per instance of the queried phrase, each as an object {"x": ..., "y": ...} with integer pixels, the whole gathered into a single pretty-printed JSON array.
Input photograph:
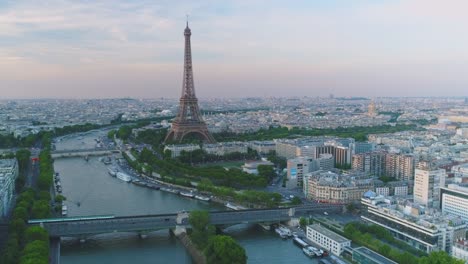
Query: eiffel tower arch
[{"x": 188, "y": 119}]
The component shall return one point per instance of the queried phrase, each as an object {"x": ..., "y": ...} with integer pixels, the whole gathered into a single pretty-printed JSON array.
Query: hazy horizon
[{"x": 115, "y": 49}]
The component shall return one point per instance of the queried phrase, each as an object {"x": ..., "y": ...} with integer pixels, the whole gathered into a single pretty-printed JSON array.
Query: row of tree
[
  {"x": 174, "y": 172},
  {"x": 357, "y": 132},
  {"x": 232, "y": 177},
  {"x": 218, "y": 249},
  {"x": 372, "y": 236},
  {"x": 251, "y": 198},
  {"x": 28, "y": 245},
  {"x": 201, "y": 156}
]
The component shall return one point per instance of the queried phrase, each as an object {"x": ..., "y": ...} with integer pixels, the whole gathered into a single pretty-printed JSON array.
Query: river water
[{"x": 90, "y": 190}]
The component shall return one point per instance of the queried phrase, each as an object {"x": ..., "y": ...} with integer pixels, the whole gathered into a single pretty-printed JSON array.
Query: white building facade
[
  {"x": 327, "y": 239},
  {"x": 8, "y": 175},
  {"x": 427, "y": 184}
]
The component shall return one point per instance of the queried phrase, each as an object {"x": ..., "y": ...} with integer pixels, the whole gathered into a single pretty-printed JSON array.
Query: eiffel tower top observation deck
[{"x": 188, "y": 119}]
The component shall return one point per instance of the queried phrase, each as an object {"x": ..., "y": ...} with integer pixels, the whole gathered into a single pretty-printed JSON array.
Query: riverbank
[{"x": 197, "y": 256}]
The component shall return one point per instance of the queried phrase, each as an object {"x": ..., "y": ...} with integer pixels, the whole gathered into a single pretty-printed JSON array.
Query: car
[{"x": 325, "y": 213}]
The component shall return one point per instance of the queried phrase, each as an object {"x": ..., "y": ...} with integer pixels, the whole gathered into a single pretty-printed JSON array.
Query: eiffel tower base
[{"x": 179, "y": 131}]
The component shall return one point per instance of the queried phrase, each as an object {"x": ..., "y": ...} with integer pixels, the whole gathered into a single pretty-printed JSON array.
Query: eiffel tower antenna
[{"x": 188, "y": 119}]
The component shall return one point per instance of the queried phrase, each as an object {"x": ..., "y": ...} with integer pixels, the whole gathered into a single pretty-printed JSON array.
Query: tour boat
[
  {"x": 281, "y": 233},
  {"x": 124, "y": 177},
  {"x": 187, "y": 194},
  {"x": 202, "y": 198},
  {"x": 112, "y": 171},
  {"x": 301, "y": 243}
]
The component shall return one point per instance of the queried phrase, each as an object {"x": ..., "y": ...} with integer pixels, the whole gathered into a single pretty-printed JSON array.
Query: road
[
  {"x": 33, "y": 170},
  {"x": 54, "y": 251}
]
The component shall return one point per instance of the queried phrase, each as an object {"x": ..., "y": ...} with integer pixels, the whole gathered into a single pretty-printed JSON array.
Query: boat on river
[
  {"x": 235, "y": 207},
  {"x": 202, "y": 198},
  {"x": 265, "y": 227},
  {"x": 124, "y": 177},
  {"x": 281, "y": 233},
  {"x": 112, "y": 171},
  {"x": 299, "y": 242},
  {"x": 312, "y": 252},
  {"x": 187, "y": 194},
  {"x": 286, "y": 230}
]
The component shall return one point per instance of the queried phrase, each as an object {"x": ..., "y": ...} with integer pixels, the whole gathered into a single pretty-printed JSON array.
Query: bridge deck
[{"x": 78, "y": 226}]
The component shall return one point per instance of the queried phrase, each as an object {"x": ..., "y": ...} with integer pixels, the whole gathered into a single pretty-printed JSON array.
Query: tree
[
  {"x": 266, "y": 171},
  {"x": 36, "y": 233},
  {"x": 40, "y": 209},
  {"x": 201, "y": 231},
  {"x": 11, "y": 252},
  {"x": 124, "y": 132},
  {"x": 38, "y": 247},
  {"x": 384, "y": 249},
  {"x": 224, "y": 250},
  {"x": 439, "y": 257},
  {"x": 296, "y": 200},
  {"x": 60, "y": 198},
  {"x": 111, "y": 134},
  {"x": 303, "y": 222},
  {"x": 18, "y": 226},
  {"x": 44, "y": 195},
  {"x": 20, "y": 212}
]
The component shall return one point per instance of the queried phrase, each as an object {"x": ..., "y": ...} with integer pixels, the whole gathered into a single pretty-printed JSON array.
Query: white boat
[
  {"x": 202, "y": 198},
  {"x": 231, "y": 206},
  {"x": 112, "y": 171},
  {"x": 298, "y": 241},
  {"x": 124, "y": 177},
  {"x": 286, "y": 230},
  {"x": 235, "y": 207},
  {"x": 187, "y": 194},
  {"x": 309, "y": 251},
  {"x": 281, "y": 233},
  {"x": 266, "y": 227}
]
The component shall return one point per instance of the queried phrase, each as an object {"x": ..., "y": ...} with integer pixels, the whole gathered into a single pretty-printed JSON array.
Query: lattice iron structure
[{"x": 188, "y": 119}]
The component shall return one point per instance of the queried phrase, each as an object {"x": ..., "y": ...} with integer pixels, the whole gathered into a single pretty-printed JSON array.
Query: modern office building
[
  {"x": 427, "y": 184},
  {"x": 8, "y": 175},
  {"x": 454, "y": 200},
  {"x": 362, "y": 147},
  {"x": 423, "y": 228},
  {"x": 363, "y": 255},
  {"x": 327, "y": 239},
  {"x": 296, "y": 169}
]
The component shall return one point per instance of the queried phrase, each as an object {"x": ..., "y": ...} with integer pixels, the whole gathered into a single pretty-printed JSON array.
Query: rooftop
[
  {"x": 328, "y": 233},
  {"x": 7, "y": 163},
  {"x": 373, "y": 255}
]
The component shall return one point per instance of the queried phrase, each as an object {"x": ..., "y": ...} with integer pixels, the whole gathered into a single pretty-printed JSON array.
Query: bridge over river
[{"x": 90, "y": 225}]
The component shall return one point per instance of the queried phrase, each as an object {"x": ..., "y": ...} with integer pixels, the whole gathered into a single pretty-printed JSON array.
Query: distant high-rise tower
[
  {"x": 371, "y": 109},
  {"x": 188, "y": 119}
]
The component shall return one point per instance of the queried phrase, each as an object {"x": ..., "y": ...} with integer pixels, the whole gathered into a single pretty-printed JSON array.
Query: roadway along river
[{"x": 90, "y": 190}]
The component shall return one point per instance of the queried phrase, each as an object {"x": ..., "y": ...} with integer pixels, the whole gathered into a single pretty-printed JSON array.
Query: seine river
[{"x": 90, "y": 190}]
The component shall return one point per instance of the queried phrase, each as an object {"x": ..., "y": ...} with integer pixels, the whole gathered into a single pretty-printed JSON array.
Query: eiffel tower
[{"x": 188, "y": 119}]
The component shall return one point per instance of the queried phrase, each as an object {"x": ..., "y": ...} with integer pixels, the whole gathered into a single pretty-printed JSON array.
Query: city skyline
[{"x": 65, "y": 49}]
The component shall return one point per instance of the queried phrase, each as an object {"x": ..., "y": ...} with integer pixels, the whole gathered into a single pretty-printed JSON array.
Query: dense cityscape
[{"x": 305, "y": 178}]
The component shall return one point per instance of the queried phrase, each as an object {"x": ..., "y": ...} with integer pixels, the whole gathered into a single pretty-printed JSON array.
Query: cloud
[{"x": 335, "y": 45}]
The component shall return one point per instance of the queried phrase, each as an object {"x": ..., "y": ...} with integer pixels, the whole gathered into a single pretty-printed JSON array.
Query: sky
[{"x": 241, "y": 48}]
